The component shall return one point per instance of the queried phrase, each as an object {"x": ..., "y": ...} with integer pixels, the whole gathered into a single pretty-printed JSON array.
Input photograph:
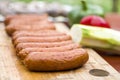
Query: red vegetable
[{"x": 94, "y": 21}]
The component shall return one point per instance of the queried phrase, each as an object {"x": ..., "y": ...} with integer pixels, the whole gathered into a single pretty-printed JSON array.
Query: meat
[
  {"x": 21, "y": 46},
  {"x": 40, "y": 47},
  {"x": 24, "y": 52},
  {"x": 24, "y": 18},
  {"x": 41, "y": 39},
  {"x": 55, "y": 61},
  {"x": 11, "y": 28},
  {"x": 47, "y": 33}
]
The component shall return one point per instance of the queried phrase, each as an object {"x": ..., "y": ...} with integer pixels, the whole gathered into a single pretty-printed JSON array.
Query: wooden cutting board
[{"x": 12, "y": 69}]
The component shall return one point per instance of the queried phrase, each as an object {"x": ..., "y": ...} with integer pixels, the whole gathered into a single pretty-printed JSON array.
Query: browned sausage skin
[
  {"x": 46, "y": 26},
  {"x": 21, "y": 46},
  {"x": 24, "y": 52},
  {"x": 21, "y": 17},
  {"x": 55, "y": 61},
  {"x": 41, "y": 39},
  {"x": 37, "y": 34},
  {"x": 32, "y": 31}
]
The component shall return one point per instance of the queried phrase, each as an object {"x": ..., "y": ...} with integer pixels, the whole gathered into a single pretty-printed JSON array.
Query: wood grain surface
[{"x": 12, "y": 69}]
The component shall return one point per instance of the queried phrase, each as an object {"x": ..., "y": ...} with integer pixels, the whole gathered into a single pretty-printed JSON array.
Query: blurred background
[
  {"x": 108, "y": 5},
  {"x": 67, "y": 11},
  {"x": 69, "y": 8}
]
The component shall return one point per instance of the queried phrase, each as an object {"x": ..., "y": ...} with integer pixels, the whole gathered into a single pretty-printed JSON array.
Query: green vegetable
[
  {"x": 96, "y": 37},
  {"x": 83, "y": 10}
]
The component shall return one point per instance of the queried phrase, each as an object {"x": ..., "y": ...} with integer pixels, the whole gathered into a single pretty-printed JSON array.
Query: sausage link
[
  {"x": 12, "y": 28},
  {"x": 24, "y": 52},
  {"x": 21, "y": 46},
  {"x": 42, "y": 39},
  {"x": 56, "y": 61},
  {"x": 37, "y": 34},
  {"x": 22, "y": 18}
]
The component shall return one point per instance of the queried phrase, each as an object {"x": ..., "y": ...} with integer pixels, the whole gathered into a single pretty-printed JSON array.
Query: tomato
[{"x": 94, "y": 21}]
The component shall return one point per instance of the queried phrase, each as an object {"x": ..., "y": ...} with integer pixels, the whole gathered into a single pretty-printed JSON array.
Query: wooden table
[{"x": 12, "y": 69}]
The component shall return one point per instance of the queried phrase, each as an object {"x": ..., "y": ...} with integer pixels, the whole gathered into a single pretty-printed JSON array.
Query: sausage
[
  {"x": 12, "y": 28},
  {"x": 40, "y": 47},
  {"x": 33, "y": 31},
  {"x": 21, "y": 17},
  {"x": 36, "y": 34},
  {"x": 24, "y": 52},
  {"x": 55, "y": 61},
  {"x": 42, "y": 39},
  {"x": 21, "y": 46},
  {"x": 29, "y": 21}
]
